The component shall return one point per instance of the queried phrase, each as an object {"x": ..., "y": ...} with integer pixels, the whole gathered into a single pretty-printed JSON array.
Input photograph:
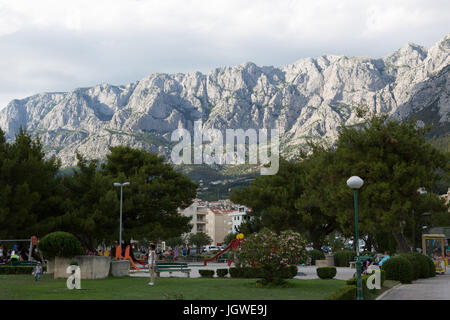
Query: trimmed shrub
[
  {"x": 60, "y": 244},
  {"x": 398, "y": 268},
  {"x": 206, "y": 273},
  {"x": 292, "y": 271},
  {"x": 326, "y": 272},
  {"x": 432, "y": 268},
  {"x": 415, "y": 263},
  {"x": 347, "y": 292},
  {"x": 383, "y": 276},
  {"x": 235, "y": 272},
  {"x": 316, "y": 255},
  {"x": 342, "y": 258},
  {"x": 423, "y": 263},
  {"x": 18, "y": 269},
  {"x": 221, "y": 272}
]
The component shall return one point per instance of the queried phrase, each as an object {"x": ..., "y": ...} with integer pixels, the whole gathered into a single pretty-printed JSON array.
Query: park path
[
  {"x": 304, "y": 273},
  {"x": 436, "y": 288}
]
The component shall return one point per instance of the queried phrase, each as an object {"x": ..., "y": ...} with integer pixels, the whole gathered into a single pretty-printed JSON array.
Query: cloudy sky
[{"x": 62, "y": 45}]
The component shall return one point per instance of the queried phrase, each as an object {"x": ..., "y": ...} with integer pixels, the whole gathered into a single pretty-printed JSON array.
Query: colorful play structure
[
  {"x": 127, "y": 257},
  {"x": 234, "y": 244}
]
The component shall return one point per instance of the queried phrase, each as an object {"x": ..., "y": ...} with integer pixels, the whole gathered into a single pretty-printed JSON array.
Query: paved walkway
[
  {"x": 436, "y": 288},
  {"x": 305, "y": 273}
]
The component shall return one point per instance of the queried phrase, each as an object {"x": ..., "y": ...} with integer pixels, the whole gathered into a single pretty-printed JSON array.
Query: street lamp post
[
  {"x": 355, "y": 183},
  {"x": 121, "y": 185}
]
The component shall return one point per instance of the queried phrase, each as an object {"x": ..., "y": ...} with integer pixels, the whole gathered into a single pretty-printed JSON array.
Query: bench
[
  {"x": 162, "y": 266},
  {"x": 361, "y": 258}
]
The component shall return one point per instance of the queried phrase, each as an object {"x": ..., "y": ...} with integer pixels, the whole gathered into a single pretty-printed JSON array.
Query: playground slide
[
  {"x": 232, "y": 245},
  {"x": 127, "y": 257}
]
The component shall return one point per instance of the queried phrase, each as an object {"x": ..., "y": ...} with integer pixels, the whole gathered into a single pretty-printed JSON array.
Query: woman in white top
[{"x": 151, "y": 264}]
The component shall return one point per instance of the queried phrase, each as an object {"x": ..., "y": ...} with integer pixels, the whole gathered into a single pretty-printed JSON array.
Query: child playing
[{"x": 37, "y": 272}]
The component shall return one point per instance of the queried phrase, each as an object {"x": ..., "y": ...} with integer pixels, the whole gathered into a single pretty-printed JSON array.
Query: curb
[{"x": 386, "y": 292}]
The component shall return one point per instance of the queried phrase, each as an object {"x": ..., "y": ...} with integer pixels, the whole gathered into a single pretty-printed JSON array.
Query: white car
[{"x": 212, "y": 249}]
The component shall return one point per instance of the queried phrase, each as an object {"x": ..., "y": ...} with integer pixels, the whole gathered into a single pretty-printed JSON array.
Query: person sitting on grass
[{"x": 37, "y": 271}]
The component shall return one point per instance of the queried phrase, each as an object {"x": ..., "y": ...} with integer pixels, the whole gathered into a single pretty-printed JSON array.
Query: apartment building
[{"x": 212, "y": 218}]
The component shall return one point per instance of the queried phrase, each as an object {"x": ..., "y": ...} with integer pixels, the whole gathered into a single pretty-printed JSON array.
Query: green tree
[
  {"x": 277, "y": 204},
  {"x": 229, "y": 237},
  {"x": 198, "y": 240},
  {"x": 30, "y": 190},
  {"x": 394, "y": 160},
  {"x": 91, "y": 206},
  {"x": 156, "y": 191},
  {"x": 175, "y": 242}
]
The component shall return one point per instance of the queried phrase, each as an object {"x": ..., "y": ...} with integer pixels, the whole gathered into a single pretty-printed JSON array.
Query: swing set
[{"x": 33, "y": 241}]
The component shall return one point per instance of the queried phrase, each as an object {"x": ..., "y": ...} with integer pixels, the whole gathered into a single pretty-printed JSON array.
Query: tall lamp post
[
  {"x": 355, "y": 183},
  {"x": 121, "y": 185}
]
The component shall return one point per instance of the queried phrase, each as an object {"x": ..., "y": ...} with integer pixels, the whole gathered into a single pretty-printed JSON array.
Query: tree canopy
[
  {"x": 310, "y": 194},
  {"x": 36, "y": 200}
]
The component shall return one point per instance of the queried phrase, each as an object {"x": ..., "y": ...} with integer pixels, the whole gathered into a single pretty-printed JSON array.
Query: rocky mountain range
[{"x": 308, "y": 99}]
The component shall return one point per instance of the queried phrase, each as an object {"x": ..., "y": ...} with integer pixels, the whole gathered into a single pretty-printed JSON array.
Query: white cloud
[{"x": 51, "y": 45}]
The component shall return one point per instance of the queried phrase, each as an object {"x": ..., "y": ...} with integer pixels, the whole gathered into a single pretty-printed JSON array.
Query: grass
[{"x": 23, "y": 287}]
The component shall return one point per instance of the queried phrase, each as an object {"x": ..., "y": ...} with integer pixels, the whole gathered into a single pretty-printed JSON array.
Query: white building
[{"x": 238, "y": 216}]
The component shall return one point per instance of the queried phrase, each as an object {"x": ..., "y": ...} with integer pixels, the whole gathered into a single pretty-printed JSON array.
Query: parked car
[{"x": 211, "y": 249}]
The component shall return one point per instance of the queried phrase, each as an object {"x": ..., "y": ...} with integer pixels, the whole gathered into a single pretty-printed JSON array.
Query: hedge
[
  {"x": 206, "y": 273},
  {"x": 60, "y": 244},
  {"x": 398, "y": 268},
  {"x": 347, "y": 292},
  {"x": 315, "y": 255},
  {"x": 432, "y": 268},
  {"x": 352, "y": 281},
  {"x": 342, "y": 258},
  {"x": 18, "y": 269},
  {"x": 222, "y": 272},
  {"x": 416, "y": 264},
  {"x": 326, "y": 272}
]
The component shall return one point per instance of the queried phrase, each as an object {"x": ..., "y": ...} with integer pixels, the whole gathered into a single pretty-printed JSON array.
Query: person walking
[{"x": 151, "y": 264}]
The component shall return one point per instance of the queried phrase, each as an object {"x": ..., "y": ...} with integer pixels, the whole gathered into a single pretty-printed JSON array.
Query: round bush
[
  {"x": 60, "y": 244},
  {"x": 342, "y": 258},
  {"x": 222, "y": 272},
  {"x": 398, "y": 268},
  {"x": 415, "y": 263},
  {"x": 293, "y": 271},
  {"x": 326, "y": 272},
  {"x": 206, "y": 273},
  {"x": 235, "y": 272},
  {"x": 315, "y": 255},
  {"x": 423, "y": 263}
]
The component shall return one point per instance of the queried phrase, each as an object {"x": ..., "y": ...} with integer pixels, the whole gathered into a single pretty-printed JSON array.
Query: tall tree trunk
[{"x": 402, "y": 244}]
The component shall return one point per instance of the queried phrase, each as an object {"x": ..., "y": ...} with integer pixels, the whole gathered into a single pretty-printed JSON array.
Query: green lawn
[{"x": 23, "y": 287}]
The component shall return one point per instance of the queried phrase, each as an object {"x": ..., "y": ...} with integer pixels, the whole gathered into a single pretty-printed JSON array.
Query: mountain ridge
[{"x": 307, "y": 99}]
